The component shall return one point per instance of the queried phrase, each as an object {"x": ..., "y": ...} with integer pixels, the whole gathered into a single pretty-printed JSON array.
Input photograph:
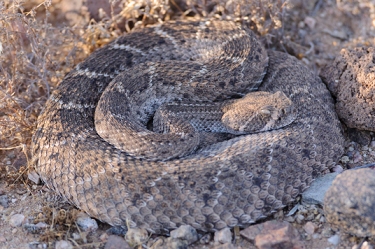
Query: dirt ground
[{"x": 314, "y": 31}]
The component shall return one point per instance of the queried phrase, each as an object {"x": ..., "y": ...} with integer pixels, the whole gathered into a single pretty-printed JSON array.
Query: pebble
[
  {"x": 104, "y": 237},
  {"x": 36, "y": 245},
  {"x": 225, "y": 246},
  {"x": 223, "y": 236},
  {"x": 136, "y": 236},
  {"x": 63, "y": 244},
  {"x": 345, "y": 159},
  {"x": 206, "y": 238},
  {"x": 278, "y": 235},
  {"x": 34, "y": 177},
  {"x": 310, "y": 228},
  {"x": 327, "y": 232},
  {"x": 76, "y": 236},
  {"x": 349, "y": 204},
  {"x": 334, "y": 240},
  {"x": 338, "y": 169},
  {"x": 4, "y": 201},
  {"x": 365, "y": 245},
  {"x": 116, "y": 242},
  {"x": 251, "y": 232},
  {"x": 86, "y": 223},
  {"x": 169, "y": 243},
  {"x": 357, "y": 157},
  {"x": 300, "y": 218},
  {"x": 185, "y": 232},
  {"x": 273, "y": 234},
  {"x": 315, "y": 193},
  {"x": 289, "y": 219},
  {"x": 310, "y": 22},
  {"x": 16, "y": 220}
]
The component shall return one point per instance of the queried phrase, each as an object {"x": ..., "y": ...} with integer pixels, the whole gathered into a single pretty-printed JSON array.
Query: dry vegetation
[
  {"x": 37, "y": 50},
  {"x": 40, "y": 41}
]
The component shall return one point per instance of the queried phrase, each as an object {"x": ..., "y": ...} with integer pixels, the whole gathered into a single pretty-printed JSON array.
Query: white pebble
[
  {"x": 223, "y": 236},
  {"x": 63, "y": 244},
  {"x": 185, "y": 232},
  {"x": 334, "y": 240},
  {"x": 16, "y": 220},
  {"x": 86, "y": 223}
]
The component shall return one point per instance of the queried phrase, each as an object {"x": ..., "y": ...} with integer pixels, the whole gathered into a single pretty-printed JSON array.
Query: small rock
[
  {"x": 63, "y": 244},
  {"x": 169, "y": 243},
  {"x": 357, "y": 157},
  {"x": 334, "y": 240},
  {"x": 251, "y": 232},
  {"x": 225, "y": 246},
  {"x": 116, "y": 242},
  {"x": 36, "y": 245},
  {"x": 310, "y": 228},
  {"x": 16, "y": 220},
  {"x": 338, "y": 169},
  {"x": 349, "y": 204},
  {"x": 223, "y": 236},
  {"x": 365, "y": 245},
  {"x": 2, "y": 239},
  {"x": 275, "y": 234},
  {"x": 300, "y": 218},
  {"x": 327, "y": 232},
  {"x": 185, "y": 232},
  {"x": 310, "y": 22},
  {"x": 345, "y": 159},
  {"x": 4, "y": 200},
  {"x": 315, "y": 193},
  {"x": 34, "y": 177},
  {"x": 206, "y": 238},
  {"x": 136, "y": 236},
  {"x": 104, "y": 237},
  {"x": 76, "y": 236},
  {"x": 86, "y": 223}
]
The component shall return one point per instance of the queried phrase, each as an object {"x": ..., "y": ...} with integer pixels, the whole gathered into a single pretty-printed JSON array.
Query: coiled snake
[{"x": 227, "y": 183}]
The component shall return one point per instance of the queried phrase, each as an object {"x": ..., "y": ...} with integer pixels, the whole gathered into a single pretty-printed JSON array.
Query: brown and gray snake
[{"x": 228, "y": 183}]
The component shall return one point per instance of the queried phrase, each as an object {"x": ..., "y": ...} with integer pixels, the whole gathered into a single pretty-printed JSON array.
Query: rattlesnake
[{"x": 225, "y": 184}]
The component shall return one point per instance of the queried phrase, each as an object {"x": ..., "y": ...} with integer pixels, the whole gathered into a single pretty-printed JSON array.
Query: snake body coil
[{"x": 230, "y": 183}]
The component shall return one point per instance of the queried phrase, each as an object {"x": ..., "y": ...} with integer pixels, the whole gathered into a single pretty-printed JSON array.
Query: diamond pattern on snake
[{"x": 186, "y": 122}]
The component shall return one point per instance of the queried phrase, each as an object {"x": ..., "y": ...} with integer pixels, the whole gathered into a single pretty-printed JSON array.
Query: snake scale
[{"x": 225, "y": 184}]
